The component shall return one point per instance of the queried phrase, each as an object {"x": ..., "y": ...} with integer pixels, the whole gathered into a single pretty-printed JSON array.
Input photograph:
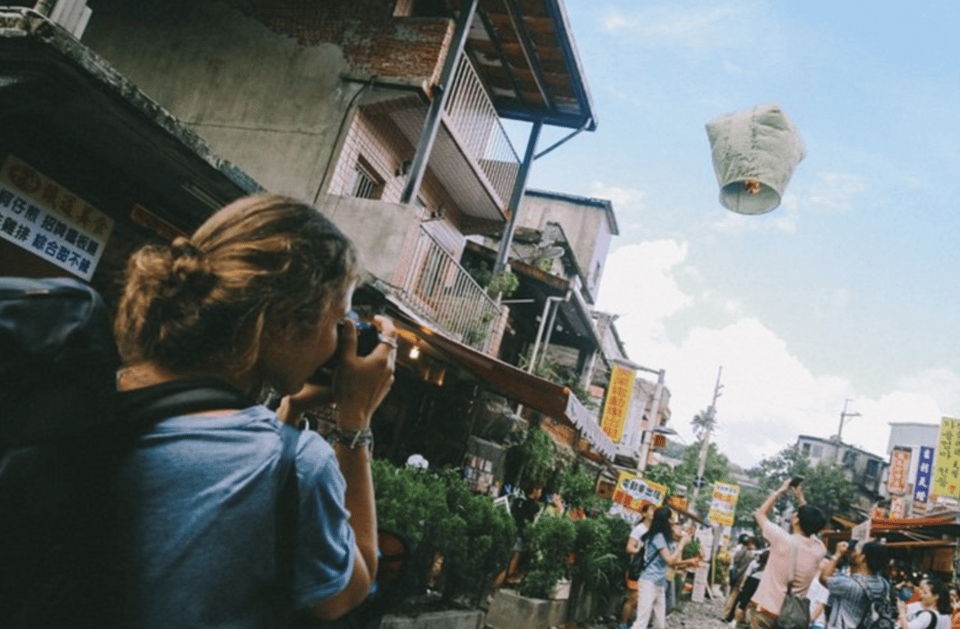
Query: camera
[{"x": 367, "y": 339}]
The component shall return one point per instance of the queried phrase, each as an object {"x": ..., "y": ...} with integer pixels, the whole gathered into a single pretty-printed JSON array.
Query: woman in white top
[{"x": 935, "y": 607}]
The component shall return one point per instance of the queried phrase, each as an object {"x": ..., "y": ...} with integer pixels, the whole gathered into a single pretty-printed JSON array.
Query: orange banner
[
  {"x": 899, "y": 469},
  {"x": 617, "y": 403}
]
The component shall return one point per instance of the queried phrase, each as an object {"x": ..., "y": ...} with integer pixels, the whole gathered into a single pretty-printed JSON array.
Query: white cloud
[
  {"x": 693, "y": 27},
  {"x": 625, "y": 200},
  {"x": 768, "y": 396},
  {"x": 837, "y": 192},
  {"x": 638, "y": 284},
  {"x": 941, "y": 385}
]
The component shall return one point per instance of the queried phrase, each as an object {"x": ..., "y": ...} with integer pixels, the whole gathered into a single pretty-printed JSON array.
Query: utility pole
[
  {"x": 843, "y": 417},
  {"x": 646, "y": 436},
  {"x": 705, "y": 443}
]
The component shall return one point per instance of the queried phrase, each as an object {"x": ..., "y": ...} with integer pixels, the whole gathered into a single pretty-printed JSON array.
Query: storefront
[{"x": 90, "y": 167}]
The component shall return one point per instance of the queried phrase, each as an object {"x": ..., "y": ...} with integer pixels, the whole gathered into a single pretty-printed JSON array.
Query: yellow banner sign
[
  {"x": 724, "y": 503},
  {"x": 617, "y": 403},
  {"x": 946, "y": 480},
  {"x": 632, "y": 491}
]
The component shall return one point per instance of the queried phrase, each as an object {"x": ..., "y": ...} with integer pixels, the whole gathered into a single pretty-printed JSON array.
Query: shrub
[
  {"x": 578, "y": 488},
  {"x": 597, "y": 563},
  {"x": 440, "y": 516},
  {"x": 551, "y": 540}
]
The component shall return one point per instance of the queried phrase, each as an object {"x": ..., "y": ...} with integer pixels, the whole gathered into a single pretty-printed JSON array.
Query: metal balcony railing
[
  {"x": 443, "y": 291},
  {"x": 477, "y": 126}
]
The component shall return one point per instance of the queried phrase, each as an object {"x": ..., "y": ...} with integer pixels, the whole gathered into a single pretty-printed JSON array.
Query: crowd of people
[{"x": 857, "y": 586}]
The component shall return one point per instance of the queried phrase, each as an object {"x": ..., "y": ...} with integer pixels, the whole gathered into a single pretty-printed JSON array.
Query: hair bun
[{"x": 190, "y": 269}]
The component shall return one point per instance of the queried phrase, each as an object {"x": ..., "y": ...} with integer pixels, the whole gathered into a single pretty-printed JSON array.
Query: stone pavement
[{"x": 705, "y": 615}]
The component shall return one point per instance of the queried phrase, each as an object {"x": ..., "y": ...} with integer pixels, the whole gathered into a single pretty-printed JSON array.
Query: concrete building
[
  {"x": 550, "y": 329},
  {"x": 866, "y": 471},
  {"x": 385, "y": 114}
]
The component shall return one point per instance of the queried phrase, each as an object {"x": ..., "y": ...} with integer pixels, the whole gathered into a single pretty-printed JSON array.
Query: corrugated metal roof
[{"x": 525, "y": 53}]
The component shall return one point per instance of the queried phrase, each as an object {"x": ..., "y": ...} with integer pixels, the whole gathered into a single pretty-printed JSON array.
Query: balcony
[
  {"x": 438, "y": 288},
  {"x": 472, "y": 155}
]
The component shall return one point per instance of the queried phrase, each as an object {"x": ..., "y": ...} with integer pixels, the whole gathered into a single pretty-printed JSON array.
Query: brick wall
[{"x": 374, "y": 41}]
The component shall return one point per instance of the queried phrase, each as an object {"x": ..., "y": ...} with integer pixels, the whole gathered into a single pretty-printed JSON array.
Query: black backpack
[
  {"x": 881, "y": 611},
  {"x": 64, "y": 431}
]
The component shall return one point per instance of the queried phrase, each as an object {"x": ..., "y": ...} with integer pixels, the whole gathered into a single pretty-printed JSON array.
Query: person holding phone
[
  {"x": 852, "y": 594},
  {"x": 795, "y": 554},
  {"x": 661, "y": 553}
]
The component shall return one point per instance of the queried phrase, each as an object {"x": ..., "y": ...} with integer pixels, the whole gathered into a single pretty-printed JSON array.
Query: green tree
[
  {"x": 826, "y": 485},
  {"x": 532, "y": 462},
  {"x": 578, "y": 487},
  {"x": 664, "y": 475},
  {"x": 748, "y": 501},
  {"x": 716, "y": 469},
  {"x": 701, "y": 421},
  {"x": 770, "y": 473}
]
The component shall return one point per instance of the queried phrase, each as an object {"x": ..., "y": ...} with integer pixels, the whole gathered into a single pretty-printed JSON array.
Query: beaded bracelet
[{"x": 353, "y": 439}]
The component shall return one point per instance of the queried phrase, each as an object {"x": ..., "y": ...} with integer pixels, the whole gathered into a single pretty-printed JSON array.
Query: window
[
  {"x": 366, "y": 183},
  {"x": 805, "y": 449},
  {"x": 816, "y": 451},
  {"x": 873, "y": 467}
]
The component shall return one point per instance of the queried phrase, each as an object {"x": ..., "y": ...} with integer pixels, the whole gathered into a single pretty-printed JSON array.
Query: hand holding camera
[
  {"x": 356, "y": 378},
  {"x": 362, "y": 381},
  {"x": 368, "y": 336}
]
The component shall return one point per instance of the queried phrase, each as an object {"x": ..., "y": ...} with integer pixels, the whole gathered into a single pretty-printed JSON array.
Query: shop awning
[
  {"x": 55, "y": 92},
  {"x": 903, "y": 524},
  {"x": 551, "y": 399}
]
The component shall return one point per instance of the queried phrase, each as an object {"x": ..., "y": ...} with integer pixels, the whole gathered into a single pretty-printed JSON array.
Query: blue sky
[{"x": 848, "y": 290}]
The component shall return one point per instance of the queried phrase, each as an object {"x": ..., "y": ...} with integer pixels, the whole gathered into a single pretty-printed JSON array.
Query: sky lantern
[{"x": 755, "y": 152}]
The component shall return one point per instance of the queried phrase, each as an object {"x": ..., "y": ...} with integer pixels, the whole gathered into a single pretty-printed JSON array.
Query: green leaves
[{"x": 439, "y": 515}]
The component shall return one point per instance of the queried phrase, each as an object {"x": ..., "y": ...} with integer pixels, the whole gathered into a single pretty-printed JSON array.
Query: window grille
[{"x": 366, "y": 185}]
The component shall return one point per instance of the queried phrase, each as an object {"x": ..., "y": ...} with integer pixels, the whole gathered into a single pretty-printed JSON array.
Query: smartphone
[{"x": 796, "y": 480}]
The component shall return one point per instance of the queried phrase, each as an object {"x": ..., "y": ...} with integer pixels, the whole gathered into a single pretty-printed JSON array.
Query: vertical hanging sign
[
  {"x": 921, "y": 488},
  {"x": 41, "y": 216},
  {"x": 946, "y": 480},
  {"x": 897, "y": 507},
  {"x": 899, "y": 469},
  {"x": 617, "y": 402}
]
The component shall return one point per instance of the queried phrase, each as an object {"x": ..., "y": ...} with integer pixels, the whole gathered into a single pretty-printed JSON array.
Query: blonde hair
[{"x": 205, "y": 303}]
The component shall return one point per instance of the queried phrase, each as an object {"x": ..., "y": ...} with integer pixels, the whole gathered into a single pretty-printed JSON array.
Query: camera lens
[{"x": 367, "y": 338}]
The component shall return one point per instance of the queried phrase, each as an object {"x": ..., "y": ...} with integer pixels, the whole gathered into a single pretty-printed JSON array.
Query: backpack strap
[
  {"x": 793, "y": 564},
  {"x": 933, "y": 619},
  {"x": 287, "y": 514},
  {"x": 140, "y": 408}
]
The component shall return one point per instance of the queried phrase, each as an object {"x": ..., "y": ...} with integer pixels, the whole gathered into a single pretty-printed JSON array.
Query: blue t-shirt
[
  {"x": 655, "y": 567},
  {"x": 202, "y": 494}
]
